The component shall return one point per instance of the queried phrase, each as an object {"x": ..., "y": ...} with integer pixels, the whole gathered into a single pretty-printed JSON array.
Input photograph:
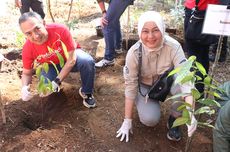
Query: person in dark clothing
[
  {"x": 35, "y": 5},
  {"x": 199, "y": 50}
]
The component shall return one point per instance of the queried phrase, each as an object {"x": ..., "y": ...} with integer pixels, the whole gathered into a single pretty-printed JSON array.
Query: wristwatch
[{"x": 58, "y": 81}]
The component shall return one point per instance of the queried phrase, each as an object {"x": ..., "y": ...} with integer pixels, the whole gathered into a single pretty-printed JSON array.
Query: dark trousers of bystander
[
  {"x": 35, "y": 5},
  {"x": 197, "y": 49}
]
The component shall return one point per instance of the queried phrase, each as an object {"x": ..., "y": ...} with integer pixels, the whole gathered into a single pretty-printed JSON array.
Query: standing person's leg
[
  {"x": 149, "y": 112},
  {"x": 202, "y": 56},
  {"x": 113, "y": 14},
  {"x": 25, "y": 6},
  {"x": 118, "y": 39},
  {"x": 186, "y": 20},
  {"x": 37, "y": 6}
]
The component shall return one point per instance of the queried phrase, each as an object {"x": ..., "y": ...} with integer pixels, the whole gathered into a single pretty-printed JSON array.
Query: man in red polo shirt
[{"x": 41, "y": 37}]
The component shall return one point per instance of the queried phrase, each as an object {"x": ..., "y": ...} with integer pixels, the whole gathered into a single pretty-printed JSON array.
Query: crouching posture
[
  {"x": 159, "y": 52},
  {"x": 40, "y": 39}
]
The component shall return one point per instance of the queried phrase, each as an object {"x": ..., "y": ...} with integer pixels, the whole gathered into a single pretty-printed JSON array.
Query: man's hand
[
  {"x": 126, "y": 127},
  {"x": 193, "y": 126},
  {"x": 26, "y": 94},
  {"x": 18, "y": 3},
  {"x": 104, "y": 21}
]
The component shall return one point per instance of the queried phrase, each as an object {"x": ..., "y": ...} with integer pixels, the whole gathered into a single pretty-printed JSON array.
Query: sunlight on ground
[{"x": 3, "y": 7}]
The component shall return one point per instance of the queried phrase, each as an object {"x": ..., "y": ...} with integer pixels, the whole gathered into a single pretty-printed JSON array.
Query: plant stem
[
  {"x": 70, "y": 9},
  {"x": 188, "y": 143},
  {"x": 49, "y": 10}
]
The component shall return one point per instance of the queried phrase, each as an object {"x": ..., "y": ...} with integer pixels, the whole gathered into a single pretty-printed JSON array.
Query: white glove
[
  {"x": 126, "y": 127},
  {"x": 26, "y": 95},
  {"x": 55, "y": 87},
  {"x": 193, "y": 126}
]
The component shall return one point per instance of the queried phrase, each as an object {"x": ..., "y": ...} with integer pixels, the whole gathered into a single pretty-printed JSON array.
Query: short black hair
[{"x": 25, "y": 16}]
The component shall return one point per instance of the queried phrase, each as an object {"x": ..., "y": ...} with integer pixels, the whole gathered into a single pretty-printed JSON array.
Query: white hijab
[{"x": 152, "y": 16}]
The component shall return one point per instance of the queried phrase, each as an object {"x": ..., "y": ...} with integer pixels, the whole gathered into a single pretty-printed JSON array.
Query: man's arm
[
  {"x": 26, "y": 76},
  {"x": 101, "y": 5},
  {"x": 18, "y": 3},
  {"x": 71, "y": 61}
]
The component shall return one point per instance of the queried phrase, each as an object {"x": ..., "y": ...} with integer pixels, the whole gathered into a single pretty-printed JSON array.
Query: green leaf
[
  {"x": 180, "y": 121},
  {"x": 201, "y": 68},
  {"x": 209, "y": 102},
  {"x": 196, "y": 94},
  {"x": 181, "y": 107},
  {"x": 60, "y": 58},
  {"x": 185, "y": 113},
  {"x": 207, "y": 80},
  {"x": 49, "y": 84},
  {"x": 176, "y": 70},
  {"x": 177, "y": 96},
  {"x": 65, "y": 50},
  {"x": 50, "y": 49},
  {"x": 41, "y": 84},
  {"x": 188, "y": 78},
  {"x": 198, "y": 77},
  {"x": 185, "y": 70},
  {"x": 213, "y": 93},
  {"x": 205, "y": 109},
  {"x": 54, "y": 66},
  {"x": 45, "y": 66},
  {"x": 38, "y": 71},
  {"x": 206, "y": 124},
  {"x": 192, "y": 58}
]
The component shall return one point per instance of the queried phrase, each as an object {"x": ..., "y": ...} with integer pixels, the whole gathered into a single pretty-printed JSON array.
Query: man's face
[{"x": 35, "y": 31}]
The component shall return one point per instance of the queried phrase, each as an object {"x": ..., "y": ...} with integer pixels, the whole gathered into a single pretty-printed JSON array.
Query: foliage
[
  {"x": 177, "y": 15},
  {"x": 20, "y": 39},
  {"x": 187, "y": 74},
  {"x": 44, "y": 85},
  {"x": 72, "y": 24}
]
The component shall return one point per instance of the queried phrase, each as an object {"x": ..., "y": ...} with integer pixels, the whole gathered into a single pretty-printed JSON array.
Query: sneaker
[
  {"x": 118, "y": 51},
  {"x": 174, "y": 133},
  {"x": 88, "y": 100},
  {"x": 104, "y": 63}
]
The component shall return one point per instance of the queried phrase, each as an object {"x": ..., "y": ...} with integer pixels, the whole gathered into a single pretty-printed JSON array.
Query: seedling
[
  {"x": 45, "y": 86},
  {"x": 187, "y": 74}
]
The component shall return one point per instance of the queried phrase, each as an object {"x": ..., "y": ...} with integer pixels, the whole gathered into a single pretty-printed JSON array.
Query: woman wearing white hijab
[{"x": 159, "y": 53}]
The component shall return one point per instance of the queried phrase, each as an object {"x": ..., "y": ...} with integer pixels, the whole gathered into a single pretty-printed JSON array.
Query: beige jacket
[{"x": 153, "y": 64}]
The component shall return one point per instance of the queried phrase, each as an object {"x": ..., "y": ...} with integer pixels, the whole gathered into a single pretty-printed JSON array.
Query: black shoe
[
  {"x": 88, "y": 99},
  {"x": 174, "y": 133}
]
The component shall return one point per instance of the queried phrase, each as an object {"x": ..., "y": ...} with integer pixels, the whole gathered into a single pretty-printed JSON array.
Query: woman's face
[{"x": 150, "y": 35}]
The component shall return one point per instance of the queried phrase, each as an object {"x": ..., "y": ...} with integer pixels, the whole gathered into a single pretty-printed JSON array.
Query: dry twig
[{"x": 2, "y": 109}]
